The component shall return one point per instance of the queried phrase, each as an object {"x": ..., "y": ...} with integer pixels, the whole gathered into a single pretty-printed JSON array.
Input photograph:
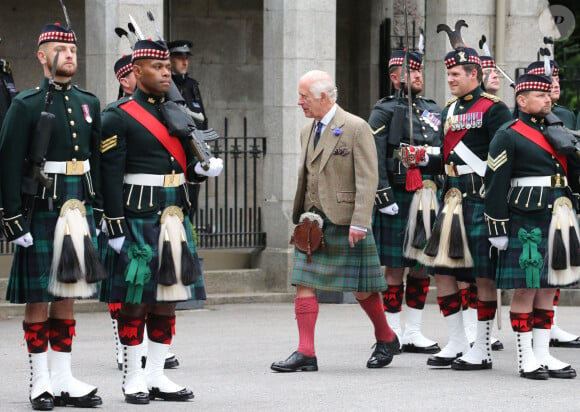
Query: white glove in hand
[
  {"x": 215, "y": 168},
  {"x": 424, "y": 162},
  {"x": 500, "y": 243},
  {"x": 390, "y": 210},
  {"x": 117, "y": 243},
  {"x": 24, "y": 241}
]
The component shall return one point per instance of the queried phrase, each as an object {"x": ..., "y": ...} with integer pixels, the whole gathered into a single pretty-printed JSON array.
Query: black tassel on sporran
[
  {"x": 455, "y": 237},
  {"x": 574, "y": 246},
  {"x": 95, "y": 271},
  {"x": 189, "y": 267},
  {"x": 419, "y": 236},
  {"x": 558, "y": 250},
  {"x": 69, "y": 267},
  {"x": 167, "y": 275}
]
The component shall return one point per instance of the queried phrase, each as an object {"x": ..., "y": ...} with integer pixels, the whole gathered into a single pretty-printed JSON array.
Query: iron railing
[{"x": 229, "y": 211}]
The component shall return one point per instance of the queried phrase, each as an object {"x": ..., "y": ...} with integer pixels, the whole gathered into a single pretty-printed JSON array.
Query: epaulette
[
  {"x": 426, "y": 99},
  {"x": 83, "y": 90},
  {"x": 491, "y": 97},
  {"x": 29, "y": 93},
  {"x": 507, "y": 124},
  {"x": 116, "y": 103},
  {"x": 386, "y": 99},
  {"x": 450, "y": 102}
]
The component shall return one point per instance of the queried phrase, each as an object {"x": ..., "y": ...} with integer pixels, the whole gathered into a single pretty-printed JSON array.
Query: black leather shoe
[
  {"x": 410, "y": 348},
  {"x": 43, "y": 402},
  {"x": 171, "y": 363},
  {"x": 88, "y": 401},
  {"x": 461, "y": 365},
  {"x": 179, "y": 396},
  {"x": 569, "y": 344},
  {"x": 295, "y": 363},
  {"x": 565, "y": 373},
  {"x": 538, "y": 374},
  {"x": 441, "y": 360},
  {"x": 497, "y": 345},
  {"x": 383, "y": 353},
  {"x": 139, "y": 398}
]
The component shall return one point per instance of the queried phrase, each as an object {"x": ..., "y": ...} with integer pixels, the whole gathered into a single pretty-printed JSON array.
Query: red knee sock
[
  {"x": 486, "y": 310},
  {"x": 36, "y": 336},
  {"x": 306, "y": 310},
  {"x": 61, "y": 334},
  {"x": 450, "y": 304},
  {"x": 374, "y": 310},
  {"x": 393, "y": 298},
  {"x": 130, "y": 330},
  {"x": 522, "y": 322},
  {"x": 160, "y": 329},
  {"x": 114, "y": 310},
  {"x": 543, "y": 318},
  {"x": 416, "y": 292}
]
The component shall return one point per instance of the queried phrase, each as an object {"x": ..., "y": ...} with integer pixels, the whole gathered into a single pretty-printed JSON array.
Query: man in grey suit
[{"x": 337, "y": 181}]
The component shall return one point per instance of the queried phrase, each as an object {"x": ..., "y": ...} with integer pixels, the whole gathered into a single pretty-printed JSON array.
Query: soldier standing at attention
[
  {"x": 144, "y": 172},
  {"x": 536, "y": 228},
  {"x": 44, "y": 225},
  {"x": 558, "y": 336},
  {"x": 389, "y": 122},
  {"x": 458, "y": 249}
]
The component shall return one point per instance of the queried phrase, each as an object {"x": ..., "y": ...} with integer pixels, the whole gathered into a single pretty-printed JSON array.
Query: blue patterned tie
[{"x": 317, "y": 134}]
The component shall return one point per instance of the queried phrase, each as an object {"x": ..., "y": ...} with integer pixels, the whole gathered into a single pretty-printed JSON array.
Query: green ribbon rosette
[
  {"x": 137, "y": 272},
  {"x": 531, "y": 260}
]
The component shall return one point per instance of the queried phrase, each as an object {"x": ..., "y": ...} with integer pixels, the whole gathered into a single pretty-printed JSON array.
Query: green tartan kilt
[
  {"x": 389, "y": 232},
  {"x": 477, "y": 236},
  {"x": 339, "y": 267},
  {"x": 509, "y": 273},
  {"x": 145, "y": 230},
  {"x": 30, "y": 272}
]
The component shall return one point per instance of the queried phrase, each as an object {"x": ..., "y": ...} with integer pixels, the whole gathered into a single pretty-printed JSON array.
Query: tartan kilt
[
  {"x": 477, "y": 236},
  {"x": 30, "y": 272},
  {"x": 389, "y": 232},
  {"x": 145, "y": 230},
  {"x": 509, "y": 273},
  {"x": 339, "y": 267}
]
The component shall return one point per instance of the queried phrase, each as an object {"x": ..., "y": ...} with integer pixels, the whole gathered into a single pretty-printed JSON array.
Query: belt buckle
[
  {"x": 74, "y": 167},
  {"x": 171, "y": 180},
  {"x": 451, "y": 170},
  {"x": 558, "y": 181}
]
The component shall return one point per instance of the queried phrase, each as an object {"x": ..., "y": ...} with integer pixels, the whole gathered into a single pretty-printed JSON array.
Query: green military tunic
[
  {"x": 134, "y": 211},
  {"x": 566, "y": 115},
  {"x": 389, "y": 121},
  {"x": 75, "y": 135},
  {"x": 481, "y": 129},
  {"x": 520, "y": 210}
]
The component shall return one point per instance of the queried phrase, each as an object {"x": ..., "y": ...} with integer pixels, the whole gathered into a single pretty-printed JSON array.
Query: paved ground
[{"x": 225, "y": 352}]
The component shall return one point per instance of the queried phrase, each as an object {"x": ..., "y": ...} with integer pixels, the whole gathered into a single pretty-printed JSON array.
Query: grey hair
[{"x": 321, "y": 82}]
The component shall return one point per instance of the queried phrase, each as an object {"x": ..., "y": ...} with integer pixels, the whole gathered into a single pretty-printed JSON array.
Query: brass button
[
  {"x": 425, "y": 136},
  {"x": 422, "y": 127},
  {"x": 76, "y": 148},
  {"x": 69, "y": 110},
  {"x": 74, "y": 135},
  {"x": 66, "y": 98},
  {"x": 72, "y": 122},
  {"x": 172, "y": 158}
]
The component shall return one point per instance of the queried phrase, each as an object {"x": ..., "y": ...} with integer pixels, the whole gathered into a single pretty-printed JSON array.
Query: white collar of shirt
[{"x": 327, "y": 118}]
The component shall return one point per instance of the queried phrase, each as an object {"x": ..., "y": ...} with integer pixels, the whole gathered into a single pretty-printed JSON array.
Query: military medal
[{"x": 87, "y": 113}]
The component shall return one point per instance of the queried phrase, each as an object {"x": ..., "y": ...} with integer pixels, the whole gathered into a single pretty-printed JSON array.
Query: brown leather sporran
[{"x": 308, "y": 237}]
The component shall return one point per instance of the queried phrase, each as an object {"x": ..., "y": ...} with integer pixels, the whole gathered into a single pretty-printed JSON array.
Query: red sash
[
  {"x": 538, "y": 138},
  {"x": 453, "y": 137},
  {"x": 157, "y": 129}
]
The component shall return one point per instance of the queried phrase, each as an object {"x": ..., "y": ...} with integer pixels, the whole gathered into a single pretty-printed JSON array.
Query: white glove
[
  {"x": 24, "y": 241},
  {"x": 424, "y": 162},
  {"x": 500, "y": 243},
  {"x": 117, "y": 243},
  {"x": 390, "y": 210},
  {"x": 215, "y": 168}
]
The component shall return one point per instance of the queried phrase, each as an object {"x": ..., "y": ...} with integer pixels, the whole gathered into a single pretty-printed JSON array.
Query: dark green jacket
[
  {"x": 476, "y": 139},
  {"x": 128, "y": 147},
  {"x": 75, "y": 135},
  {"x": 566, "y": 115},
  {"x": 426, "y": 123},
  {"x": 512, "y": 155}
]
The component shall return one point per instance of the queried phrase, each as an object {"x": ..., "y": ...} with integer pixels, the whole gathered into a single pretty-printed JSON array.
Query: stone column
[
  {"x": 299, "y": 35},
  {"x": 104, "y": 47}
]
